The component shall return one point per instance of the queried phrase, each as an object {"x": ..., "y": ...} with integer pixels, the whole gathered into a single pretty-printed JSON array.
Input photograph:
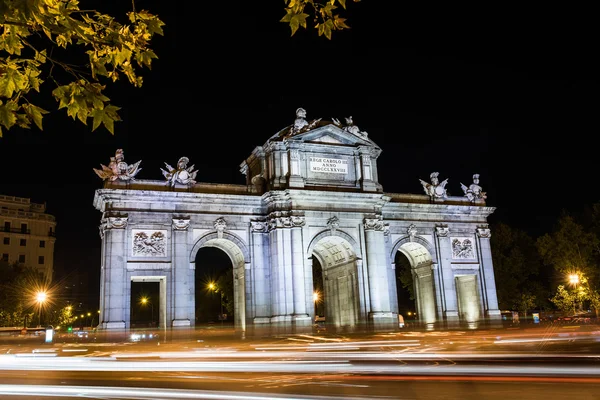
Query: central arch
[
  {"x": 237, "y": 252},
  {"x": 336, "y": 257}
]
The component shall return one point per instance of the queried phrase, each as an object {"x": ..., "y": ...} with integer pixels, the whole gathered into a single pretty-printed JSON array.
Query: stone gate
[{"x": 312, "y": 195}]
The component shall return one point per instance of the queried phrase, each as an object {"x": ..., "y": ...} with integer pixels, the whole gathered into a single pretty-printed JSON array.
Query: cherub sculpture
[
  {"x": 435, "y": 189},
  {"x": 182, "y": 174},
  {"x": 301, "y": 124},
  {"x": 474, "y": 191},
  {"x": 118, "y": 169}
]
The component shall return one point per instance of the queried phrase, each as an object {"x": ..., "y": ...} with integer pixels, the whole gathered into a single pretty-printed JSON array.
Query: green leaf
[
  {"x": 10, "y": 81},
  {"x": 298, "y": 20},
  {"x": 340, "y": 23},
  {"x": 8, "y": 115},
  {"x": 107, "y": 116},
  {"x": 145, "y": 58},
  {"x": 35, "y": 113}
]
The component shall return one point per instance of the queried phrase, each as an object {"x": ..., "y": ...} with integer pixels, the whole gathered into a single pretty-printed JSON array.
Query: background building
[{"x": 28, "y": 234}]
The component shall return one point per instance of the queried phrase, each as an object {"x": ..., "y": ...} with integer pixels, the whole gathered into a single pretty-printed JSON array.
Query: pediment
[{"x": 332, "y": 134}]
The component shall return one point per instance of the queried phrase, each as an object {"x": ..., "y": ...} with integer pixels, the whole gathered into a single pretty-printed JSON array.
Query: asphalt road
[{"x": 549, "y": 362}]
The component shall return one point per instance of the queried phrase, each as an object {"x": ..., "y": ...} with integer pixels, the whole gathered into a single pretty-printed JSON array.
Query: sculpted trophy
[
  {"x": 118, "y": 169},
  {"x": 435, "y": 189}
]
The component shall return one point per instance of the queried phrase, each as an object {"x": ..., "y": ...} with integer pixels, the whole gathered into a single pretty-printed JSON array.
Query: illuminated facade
[
  {"x": 312, "y": 198},
  {"x": 28, "y": 234}
]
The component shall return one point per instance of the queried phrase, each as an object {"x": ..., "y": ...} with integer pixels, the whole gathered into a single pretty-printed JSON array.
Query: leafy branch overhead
[
  {"x": 323, "y": 13},
  {"x": 35, "y": 35}
]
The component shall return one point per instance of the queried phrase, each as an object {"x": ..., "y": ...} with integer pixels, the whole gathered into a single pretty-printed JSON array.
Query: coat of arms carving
[{"x": 149, "y": 244}]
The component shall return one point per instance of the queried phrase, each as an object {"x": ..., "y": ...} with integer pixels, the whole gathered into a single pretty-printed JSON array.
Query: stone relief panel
[
  {"x": 462, "y": 248},
  {"x": 149, "y": 243}
]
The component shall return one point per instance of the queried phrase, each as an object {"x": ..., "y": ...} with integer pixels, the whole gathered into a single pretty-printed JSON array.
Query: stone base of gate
[
  {"x": 112, "y": 325},
  {"x": 452, "y": 320},
  {"x": 280, "y": 324},
  {"x": 494, "y": 318},
  {"x": 383, "y": 321}
]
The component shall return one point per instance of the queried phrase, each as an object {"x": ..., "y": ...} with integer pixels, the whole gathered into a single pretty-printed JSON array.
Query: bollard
[{"x": 49, "y": 333}]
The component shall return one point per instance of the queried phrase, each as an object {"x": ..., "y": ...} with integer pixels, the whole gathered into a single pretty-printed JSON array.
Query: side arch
[
  {"x": 338, "y": 233},
  {"x": 218, "y": 242}
]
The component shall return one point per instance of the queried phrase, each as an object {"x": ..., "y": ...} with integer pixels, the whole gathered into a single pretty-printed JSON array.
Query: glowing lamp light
[
  {"x": 574, "y": 279},
  {"x": 41, "y": 297}
]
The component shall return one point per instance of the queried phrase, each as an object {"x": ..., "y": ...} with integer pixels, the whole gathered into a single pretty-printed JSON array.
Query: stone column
[
  {"x": 367, "y": 170},
  {"x": 298, "y": 280},
  {"x": 114, "y": 284},
  {"x": 280, "y": 264},
  {"x": 102, "y": 228},
  {"x": 391, "y": 271},
  {"x": 437, "y": 282},
  {"x": 260, "y": 269},
  {"x": 183, "y": 287},
  {"x": 296, "y": 180},
  {"x": 380, "y": 312},
  {"x": 447, "y": 275},
  {"x": 487, "y": 279}
]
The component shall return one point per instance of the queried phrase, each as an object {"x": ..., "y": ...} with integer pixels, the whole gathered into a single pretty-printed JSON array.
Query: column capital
[
  {"x": 258, "y": 226},
  {"x": 374, "y": 224},
  {"x": 298, "y": 220},
  {"x": 181, "y": 224},
  {"x": 484, "y": 232},
  {"x": 442, "y": 230},
  {"x": 115, "y": 222}
]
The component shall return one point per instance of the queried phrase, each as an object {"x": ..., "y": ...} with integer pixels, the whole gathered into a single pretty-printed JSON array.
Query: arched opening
[
  {"x": 413, "y": 265},
  {"x": 214, "y": 287},
  {"x": 220, "y": 282},
  {"x": 405, "y": 289},
  {"x": 334, "y": 261}
]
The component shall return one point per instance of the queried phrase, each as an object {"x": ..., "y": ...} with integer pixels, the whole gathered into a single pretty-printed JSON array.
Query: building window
[
  {"x": 6, "y": 240},
  {"x": 23, "y": 242},
  {"x": 41, "y": 260},
  {"x": 42, "y": 243},
  {"x": 22, "y": 258},
  {"x": 6, "y": 226},
  {"x": 5, "y": 257},
  {"x": 23, "y": 228}
]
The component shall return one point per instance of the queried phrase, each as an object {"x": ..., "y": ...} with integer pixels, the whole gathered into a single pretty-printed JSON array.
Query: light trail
[
  {"x": 146, "y": 393},
  {"x": 323, "y": 366}
]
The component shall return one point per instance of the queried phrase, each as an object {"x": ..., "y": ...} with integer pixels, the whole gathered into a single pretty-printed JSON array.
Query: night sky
[{"x": 511, "y": 94}]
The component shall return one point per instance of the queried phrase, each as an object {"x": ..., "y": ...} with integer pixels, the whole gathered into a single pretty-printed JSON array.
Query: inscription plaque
[{"x": 328, "y": 165}]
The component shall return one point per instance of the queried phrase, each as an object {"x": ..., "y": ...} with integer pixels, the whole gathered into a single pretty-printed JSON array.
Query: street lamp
[
  {"x": 316, "y": 300},
  {"x": 41, "y": 299},
  {"x": 212, "y": 286},
  {"x": 580, "y": 282},
  {"x": 144, "y": 301}
]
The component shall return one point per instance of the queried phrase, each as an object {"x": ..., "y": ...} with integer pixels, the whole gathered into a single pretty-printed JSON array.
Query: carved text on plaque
[{"x": 328, "y": 165}]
